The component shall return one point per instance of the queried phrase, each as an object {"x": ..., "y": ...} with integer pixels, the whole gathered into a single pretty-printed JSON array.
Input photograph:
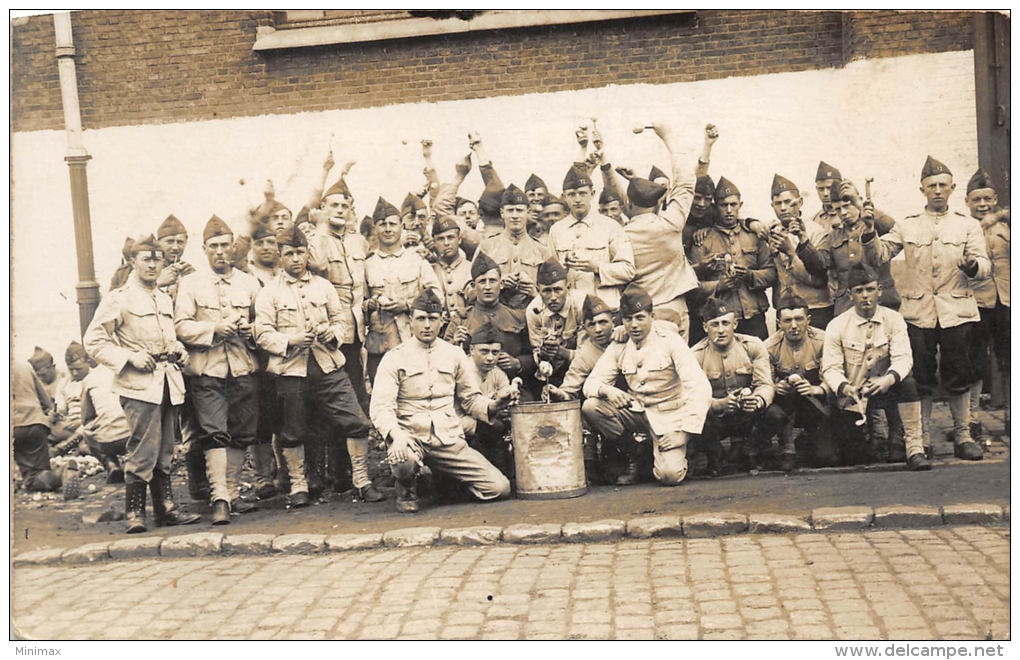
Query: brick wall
[{"x": 160, "y": 67}]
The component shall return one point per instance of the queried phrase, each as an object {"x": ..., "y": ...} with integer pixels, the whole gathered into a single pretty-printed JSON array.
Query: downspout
[{"x": 77, "y": 159}]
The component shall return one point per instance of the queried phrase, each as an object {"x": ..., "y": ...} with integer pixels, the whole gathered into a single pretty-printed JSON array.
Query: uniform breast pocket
[
  {"x": 287, "y": 316},
  {"x": 748, "y": 256},
  {"x": 316, "y": 311},
  {"x": 853, "y": 352},
  {"x": 241, "y": 304},
  {"x": 406, "y": 286}
]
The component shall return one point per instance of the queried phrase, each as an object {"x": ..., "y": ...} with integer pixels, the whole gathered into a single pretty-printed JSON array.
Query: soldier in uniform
[
  {"x": 795, "y": 352},
  {"x": 299, "y": 322},
  {"x": 992, "y": 294},
  {"x": 738, "y": 368},
  {"x": 517, "y": 254},
  {"x": 213, "y": 319},
  {"x": 784, "y": 237},
  {"x": 656, "y": 236},
  {"x": 413, "y": 409},
  {"x": 554, "y": 319},
  {"x": 825, "y": 177},
  {"x": 452, "y": 268},
  {"x": 595, "y": 249},
  {"x": 611, "y": 205},
  {"x": 942, "y": 249},
  {"x": 667, "y": 398},
  {"x": 866, "y": 362},
  {"x": 133, "y": 334},
  {"x": 394, "y": 276},
  {"x": 734, "y": 265},
  {"x": 489, "y": 438}
]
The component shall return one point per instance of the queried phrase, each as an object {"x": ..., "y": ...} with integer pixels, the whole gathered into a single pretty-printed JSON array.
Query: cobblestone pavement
[{"x": 949, "y": 583}]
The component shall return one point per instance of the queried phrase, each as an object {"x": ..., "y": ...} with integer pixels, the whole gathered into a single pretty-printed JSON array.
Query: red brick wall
[{"x": 158, "y": 67}]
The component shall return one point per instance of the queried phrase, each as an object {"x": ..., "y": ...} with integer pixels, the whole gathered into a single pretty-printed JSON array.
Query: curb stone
[
  {"x": 837, "y": 519},
  {"x": 696, "y": 525}
]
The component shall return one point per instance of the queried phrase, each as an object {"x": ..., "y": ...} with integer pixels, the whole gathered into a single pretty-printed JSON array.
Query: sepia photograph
[{"x": 510, "y": 324}]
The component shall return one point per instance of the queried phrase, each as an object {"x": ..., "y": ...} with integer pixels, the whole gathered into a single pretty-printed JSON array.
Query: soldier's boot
[
  {"x": 357, "y": 448},
  {"x": 264, "y": 462},
  {"x": 216, "y": 468},
  {"x": 341, "y": 465},
  {"x": 910, "y": 414},
  {"x": 407, "y": 495},
  {"x": 294, "y": 459},
  {"x": 198, "y": 482},
  {"x": 163, "y": 506},
  {"x": 235, "y": 471},
  {"x": 282, "y": 473},
  {"x": 114, "y": 472},
  {"x": 897, "y": 435},
  {"x": 926, "y": 407},
  {"x": 963, "y": 445},
  {"x": 788, "y": 447},
  {"x": 632, "y": 473},
  {"x": 315, "y": 466},
  {"x": 976, "y": 428},
  {"x": 134, "y": 504}
]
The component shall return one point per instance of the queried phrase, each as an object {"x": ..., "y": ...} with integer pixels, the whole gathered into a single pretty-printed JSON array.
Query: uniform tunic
[
  {"x": 805, "y": 360},
  {"x": 745, "y": 249},
  {"x": 857, "y": 348},
  {"x": 795, "y": 279},
  {"x": 340, "y": 258},
  {"x": 453, "y": 278},
  {"x": 400, "y": 276},
  {"x": 522, "y": 254},
  {"x": 602, "y": 240},
  {"x": 745, "y": 363}
]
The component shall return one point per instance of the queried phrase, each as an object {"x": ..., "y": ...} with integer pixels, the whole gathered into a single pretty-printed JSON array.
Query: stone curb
[{"x": 692, "y": 526}]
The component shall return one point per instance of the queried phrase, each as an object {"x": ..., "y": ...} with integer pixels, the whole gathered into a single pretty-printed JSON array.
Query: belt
[{"x": 171, "y": 358}]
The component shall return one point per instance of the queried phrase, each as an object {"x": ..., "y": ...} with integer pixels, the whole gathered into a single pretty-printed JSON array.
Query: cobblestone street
[{"x": 948, "y": 583}]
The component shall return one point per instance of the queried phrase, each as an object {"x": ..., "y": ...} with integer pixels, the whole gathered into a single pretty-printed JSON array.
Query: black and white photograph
[{"x": 510, "y": 324}]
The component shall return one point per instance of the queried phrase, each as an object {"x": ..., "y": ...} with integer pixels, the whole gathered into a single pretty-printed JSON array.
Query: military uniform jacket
[
  {"x": 744, "y": 364},
  {"x": 995, "y": 288},
  {"x": 341, "y": 260},
  {"x": 934, "y": 289},
  {"x": 415, "y": 388},
  {"x": 804, "y": 360},
  {"x": 288, "y": 305},
  {"x": 453, "y": 278},
  {"x": 746, "y": 249},
  {"x": 400, "y": 276},
  {"x": 136, "y": 319},
  {"x": 521, "y": 255},
  {"x": 511, "y": 327},
  {"x": 600, "y": 239},
  {"x": 857, "y": 348},
  {"x": 663, "y": 375},
  {"x": 795, "y": 278},
  {"x": 203, "y": 300},
  {"x": 657, "y": 239}
]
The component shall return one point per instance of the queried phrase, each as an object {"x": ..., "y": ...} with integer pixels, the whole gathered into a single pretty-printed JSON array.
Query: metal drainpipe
[{"x": 77, "y": 159}]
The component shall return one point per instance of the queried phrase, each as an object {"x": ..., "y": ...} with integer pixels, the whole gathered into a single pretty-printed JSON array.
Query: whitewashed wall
[{"x": 877, "y": 118}]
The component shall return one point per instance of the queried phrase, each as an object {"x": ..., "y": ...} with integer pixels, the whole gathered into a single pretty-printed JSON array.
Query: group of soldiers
[{"x": 304, "y": 333}]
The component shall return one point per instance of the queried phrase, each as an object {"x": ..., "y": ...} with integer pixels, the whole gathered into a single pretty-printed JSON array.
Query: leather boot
[
  {"x": 407, "y": 495},
  {"x": 134, "y": 504},
  {"x": 216, "y": 469},
  {"x": 198, "y": 482},
  {"x": 220, "y": 512},
  {"x": 913, "y": 445},
  {"x": 963, "y": 446},
  {"x": 294, "y": 458},
  {"x": 341, "y": 465},
  {"x": 315, "y": 463},
  {"x": 357, "y": 448},
  {"x": 167, "y": 513},
  {"x": 235, "y": 469},
  {"x": 264, "y": 462},
  {"x": 114, "y": 472}
]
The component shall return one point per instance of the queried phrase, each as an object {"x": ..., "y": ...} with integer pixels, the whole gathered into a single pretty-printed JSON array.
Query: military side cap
[
  {"x": 411, "y": 204},
  {"x": 534, "y": 183},
  {"x": 705, "y": 186},
  {"x": 826, "y": 171},
  {"x": 303, "y": 216},
  {"x": 933, "y": 167},
  {"x": 550, "y": 271},
  {"x": 835, "y": 193},
  {"x": 592, "y": 307},
  {"x": 713, "y": 309},
  {"x": 656, "y": 173},
  {"x": 644, "y": 193},
  {"x": 146, "y": 244},
  {"x": 514, "y": 196},
  {"x": 383, "y": 210},
  {"x": 781, "y": 184},
  {"x": 482, "y": 265},
  {"x": 461, "y": 201},
  {"x": 444, "y": 223},
  {"x": 861, "y": 273},
  {"x": 981, "y": 179},
  {"x": 553, "y": 199},
  {"x": 170, "y": 227},
  {"x": 725, "y": 188},
  {"x": 292, "y": 237},
  {"x": 491, "y": 199},
  {"x": 576, "y": 178},
  {"x": 634, "y": 299},
  {"x": 276, "y": 207},
  {"x": 428, "y": 301},
  {"x": 216, "y": 227},
  {"x": 609, "y": 195},
  {"x": 261, "y": 231},
  {"x": 75, "y": 352},
  {"x": 128, "y": 249},
  {"x": 486, "y": 334},
  {"x": 338, "y": 188},
  {"x": 40, "y": 358}
]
